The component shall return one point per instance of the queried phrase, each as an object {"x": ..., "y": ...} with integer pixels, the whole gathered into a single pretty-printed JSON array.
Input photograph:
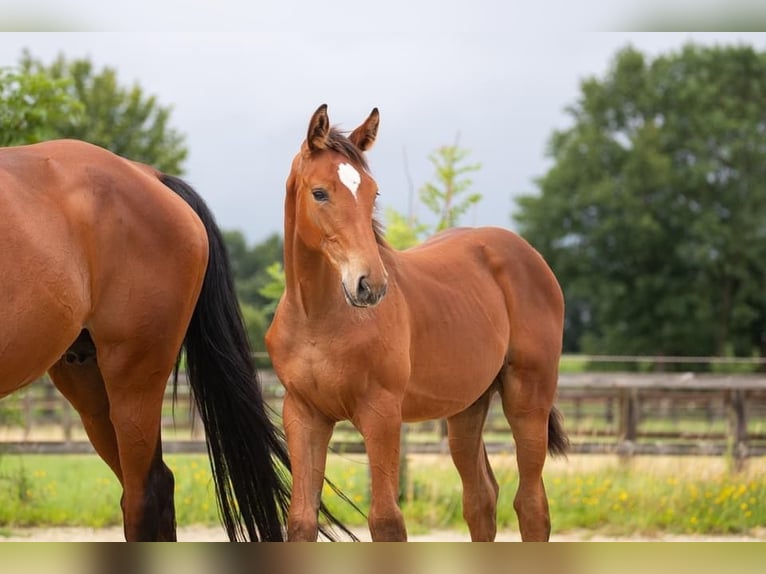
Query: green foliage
[
  {"x": 652, "y": 215},
  {"x": 448, "y": 198},
  {"x": 599, "y": 494},
  {"x": 123, "y": 120},
  {"x": 401, "y": 232},
  {"x": 273, "y": 289},
  {"x": 251, "y": 266},
  {"x": 259, "y": 282},
  {"x": 256, "y": 325},
  {"x": 31, "y": 104}
]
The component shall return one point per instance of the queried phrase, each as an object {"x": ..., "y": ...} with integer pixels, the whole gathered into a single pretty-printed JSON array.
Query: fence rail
[{"x": 617, "y": 413}]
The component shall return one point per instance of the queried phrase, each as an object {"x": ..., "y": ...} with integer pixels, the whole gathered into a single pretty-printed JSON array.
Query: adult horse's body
[
  {"x": 108, "y": 268},
  {"x": 376, "y": 336}
]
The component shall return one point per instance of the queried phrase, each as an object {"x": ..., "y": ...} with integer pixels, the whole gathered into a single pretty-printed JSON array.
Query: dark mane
[
  {"x": 337, "y": 141},
  {"x": 380, "y": 233}
]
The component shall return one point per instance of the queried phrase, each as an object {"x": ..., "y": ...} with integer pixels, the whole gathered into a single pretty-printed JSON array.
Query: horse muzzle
[{"x": 365, "y": 293}]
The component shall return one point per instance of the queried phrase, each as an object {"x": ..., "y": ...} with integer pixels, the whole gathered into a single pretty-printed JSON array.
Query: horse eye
[{"x": 319, "y": 194}]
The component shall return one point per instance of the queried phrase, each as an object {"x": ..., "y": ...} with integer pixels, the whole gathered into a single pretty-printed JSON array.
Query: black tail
[
  {"x": 558, "y": 441},
  {"x": 247, "y": 452}
]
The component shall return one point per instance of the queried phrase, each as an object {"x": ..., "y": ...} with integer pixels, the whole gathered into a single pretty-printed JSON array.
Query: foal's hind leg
[
  {"x": 480, "y": 489},
  {"x": 527, "y": 394}
]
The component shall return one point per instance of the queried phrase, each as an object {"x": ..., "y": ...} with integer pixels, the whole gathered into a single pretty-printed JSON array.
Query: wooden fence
[{"x": 615, "y": 413}]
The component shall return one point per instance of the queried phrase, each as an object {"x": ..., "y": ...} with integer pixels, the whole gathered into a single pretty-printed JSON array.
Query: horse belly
[{"x": 454, "y": 365}]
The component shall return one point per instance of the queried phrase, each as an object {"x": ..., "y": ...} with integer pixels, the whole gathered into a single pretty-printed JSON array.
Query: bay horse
[
  {"x": 108, "y": 269},
  {"x": 376, "y": 336}
]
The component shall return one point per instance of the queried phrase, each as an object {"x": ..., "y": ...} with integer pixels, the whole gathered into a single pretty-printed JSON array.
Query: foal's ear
[
  {"x": 319, "y": 129},
  {"x": 364, "y": 136}
]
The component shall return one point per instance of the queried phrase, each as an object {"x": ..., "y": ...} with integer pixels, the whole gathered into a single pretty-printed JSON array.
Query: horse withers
[
  {"x": 376, "y": 336},
  {"x": 107, "y": 269}
]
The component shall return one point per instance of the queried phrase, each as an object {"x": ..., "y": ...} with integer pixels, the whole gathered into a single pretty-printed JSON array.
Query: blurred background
[{"x": 624, "y": 140}]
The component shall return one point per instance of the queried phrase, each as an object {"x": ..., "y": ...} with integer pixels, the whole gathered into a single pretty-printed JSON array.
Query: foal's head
[{"x": 334, "y": 197}]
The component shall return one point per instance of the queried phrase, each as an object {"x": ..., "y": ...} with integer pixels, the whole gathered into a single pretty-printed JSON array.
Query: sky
[{"x": 243, "y": 81}]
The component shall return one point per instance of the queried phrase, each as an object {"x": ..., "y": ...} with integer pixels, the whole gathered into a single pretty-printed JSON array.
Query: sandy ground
[{"x": 216, "y": 534}]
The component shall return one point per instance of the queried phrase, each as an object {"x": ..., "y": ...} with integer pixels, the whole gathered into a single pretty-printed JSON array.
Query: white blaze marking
[{"x": 349, "y": 177}]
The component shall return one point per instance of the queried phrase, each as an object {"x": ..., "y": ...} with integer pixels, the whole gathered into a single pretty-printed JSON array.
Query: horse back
[
  {"x": 477, "y": 299},
  {"x": 489, "y": 257}
]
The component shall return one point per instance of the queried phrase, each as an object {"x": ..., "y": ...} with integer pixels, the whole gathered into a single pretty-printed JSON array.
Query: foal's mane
[{"x": 337, "y": 141}]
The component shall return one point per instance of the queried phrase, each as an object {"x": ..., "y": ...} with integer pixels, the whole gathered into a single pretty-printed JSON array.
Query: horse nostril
[{"x": 363, "y": 288}]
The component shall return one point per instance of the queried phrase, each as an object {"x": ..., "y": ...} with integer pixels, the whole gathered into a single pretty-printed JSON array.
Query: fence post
[
  {"x": 737, "y": 431},
  {"x": 404, "y": 474},
  {"x": 66, "y": 418},
  {"x": 29, "y": 422},
  {"x": 628, "y": 426}
]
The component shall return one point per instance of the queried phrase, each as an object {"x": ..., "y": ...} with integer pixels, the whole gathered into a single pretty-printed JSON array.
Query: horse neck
[{"x": 311, "y": 283}]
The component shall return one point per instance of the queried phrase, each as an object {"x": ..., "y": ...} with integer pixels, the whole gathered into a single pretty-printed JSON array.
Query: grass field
[{"x": 644, "y": 496}]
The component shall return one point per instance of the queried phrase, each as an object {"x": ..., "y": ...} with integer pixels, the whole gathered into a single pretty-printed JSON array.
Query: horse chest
[
  {"x": 322, "y": 363},
  {"x": 336, "y": 370}
]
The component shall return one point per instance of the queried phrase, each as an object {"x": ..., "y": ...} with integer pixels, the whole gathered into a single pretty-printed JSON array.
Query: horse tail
[
  {"x": 558, "y": 441},
  {"x": 253, "y": 492}
]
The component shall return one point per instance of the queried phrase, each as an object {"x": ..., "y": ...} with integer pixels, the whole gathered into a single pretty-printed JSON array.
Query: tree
[
  {"x": 403, "y": 232},
  {"x": 257, "y": 275},
  {"x": 123, "y": 120},
  {"x": 31, "y": 104},
  {"x": 653, "y": 214},
  {"x": 448, "y": 197},
  {"x": 274, "y": 289},
  {"x": 251, "y": 265}
]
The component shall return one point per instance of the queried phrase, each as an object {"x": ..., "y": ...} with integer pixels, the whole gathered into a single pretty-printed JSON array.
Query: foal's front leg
[
  {"x": 308, "y": 436},
  {"x": 381, "y": 427}
]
